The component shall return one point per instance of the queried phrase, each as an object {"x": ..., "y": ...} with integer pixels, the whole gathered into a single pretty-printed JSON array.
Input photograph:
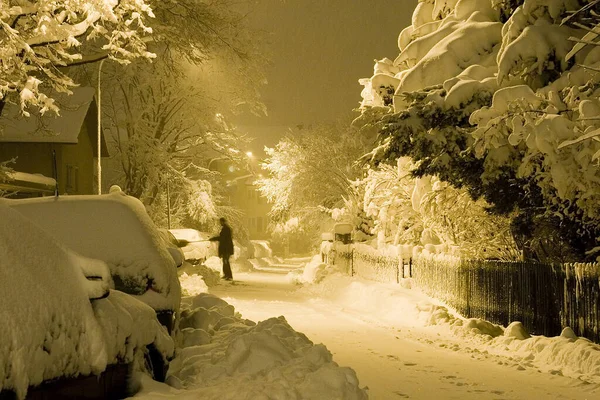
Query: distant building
[{"x": 40, "y": 144}]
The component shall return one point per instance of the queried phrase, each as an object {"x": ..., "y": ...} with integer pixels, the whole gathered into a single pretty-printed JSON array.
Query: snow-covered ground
[{"x": 403, "y": 344}]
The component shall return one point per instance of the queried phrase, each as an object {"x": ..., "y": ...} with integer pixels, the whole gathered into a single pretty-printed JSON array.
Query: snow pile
[
  {"x": 313, "y": 272},
  {"x": 209, "y": 274},
  {"x": 568, "y": 354},
  {"x": 223, "y": 356},
  {"x": 192, "y": 285},
  {"x": 114, "y": 228},
  {"x": 48, "y": 327},
  {"x": 262, "y": 249}
]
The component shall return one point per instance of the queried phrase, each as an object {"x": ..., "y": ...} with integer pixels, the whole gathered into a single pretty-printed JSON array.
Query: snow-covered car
[
  {"x": 195, "y": 244},
  {"x": 173, "y": 246},
  {"x": 116, "y": 229},
  {"x": 64, "y": 333}
]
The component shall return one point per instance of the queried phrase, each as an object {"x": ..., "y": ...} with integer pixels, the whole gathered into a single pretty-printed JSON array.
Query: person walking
[{"x": 225, "y": 240}]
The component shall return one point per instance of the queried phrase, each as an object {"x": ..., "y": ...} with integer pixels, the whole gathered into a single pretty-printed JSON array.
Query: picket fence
[{"x": 545, "y": 298}]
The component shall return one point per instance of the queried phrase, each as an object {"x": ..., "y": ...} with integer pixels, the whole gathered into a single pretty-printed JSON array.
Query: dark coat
[{"x": 225, "y": 241}]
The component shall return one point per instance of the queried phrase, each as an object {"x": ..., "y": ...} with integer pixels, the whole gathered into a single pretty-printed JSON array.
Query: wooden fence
[{"x": 545, "y": 298}]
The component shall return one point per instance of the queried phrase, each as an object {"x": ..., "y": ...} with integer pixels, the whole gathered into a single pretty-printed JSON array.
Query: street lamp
[
  {"x": 100, "y": 128},
  {"x": 249, "y": 154},
  {"x": 213, "y": 160}
]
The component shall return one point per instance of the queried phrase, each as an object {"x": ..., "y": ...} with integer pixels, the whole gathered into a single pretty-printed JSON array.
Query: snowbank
[
  {"x": 313, "y": 272},
  {"x": 48, "y": 327},
  {"x": 401, "y": 306},
  {"x": 114, "y": 228},
  {"x": 262, "y": 249},
  {"x": 192, "y": 285},
  {"x": 223, "y": 356}
]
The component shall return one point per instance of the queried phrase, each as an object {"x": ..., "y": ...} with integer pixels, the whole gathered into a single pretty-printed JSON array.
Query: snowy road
[{"x": 397, "y": 360}]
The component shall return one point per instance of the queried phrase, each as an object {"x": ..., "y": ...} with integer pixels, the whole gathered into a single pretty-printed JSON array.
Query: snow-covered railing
[
  {"x": 370, "y": 263},
  {"x": 544, "y": 297},
  {"x": 362, "y": 260}
]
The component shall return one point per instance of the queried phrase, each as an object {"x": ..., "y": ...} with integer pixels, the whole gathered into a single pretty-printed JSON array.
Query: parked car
[
  {"x": 173, "y": 246},
  {"x": 195, "y": 244},
  {"x": 116, "y": 229},
  {"x": 64, "y": 333}
]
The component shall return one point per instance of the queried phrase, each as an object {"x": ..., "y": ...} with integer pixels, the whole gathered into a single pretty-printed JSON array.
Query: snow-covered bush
[
  {"x": 414, "y": 211},
  {"x": 509, "y": 113}
]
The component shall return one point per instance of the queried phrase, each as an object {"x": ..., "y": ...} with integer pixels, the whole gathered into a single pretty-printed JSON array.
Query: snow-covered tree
[
  {"x": 418, "y": 211},
  {"x": 166, "y": 119},
  {"x": 493, "y": 97},
  {"x": 164, "y": 133},
  {"x": 310, "y": 171},
  {"x": 37, "y": 38}
]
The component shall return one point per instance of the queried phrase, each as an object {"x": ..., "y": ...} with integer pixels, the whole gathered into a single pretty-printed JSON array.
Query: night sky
[{"x": 319, "y": 49}]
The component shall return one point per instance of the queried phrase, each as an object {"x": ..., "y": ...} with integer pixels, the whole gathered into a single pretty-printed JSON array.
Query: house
[{"x": 52, "y": 152}]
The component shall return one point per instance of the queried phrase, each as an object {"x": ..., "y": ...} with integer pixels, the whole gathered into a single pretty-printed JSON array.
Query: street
[{"x": 396, "y": 360}]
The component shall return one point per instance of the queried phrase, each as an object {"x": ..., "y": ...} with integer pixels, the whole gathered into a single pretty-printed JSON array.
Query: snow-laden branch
[{"x": 38, "y": 37}]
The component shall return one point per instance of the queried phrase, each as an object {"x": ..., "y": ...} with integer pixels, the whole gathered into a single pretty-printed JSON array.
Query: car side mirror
[{"x": 182, "y": 242}]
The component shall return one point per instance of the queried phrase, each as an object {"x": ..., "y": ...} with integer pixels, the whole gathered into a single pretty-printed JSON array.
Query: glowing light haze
[{"x": 319, "y": 49}]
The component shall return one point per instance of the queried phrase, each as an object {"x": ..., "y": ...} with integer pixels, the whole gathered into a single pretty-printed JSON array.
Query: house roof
[
  {"x": 29, "y": 183},
  {"x": 52, "y": 128}
]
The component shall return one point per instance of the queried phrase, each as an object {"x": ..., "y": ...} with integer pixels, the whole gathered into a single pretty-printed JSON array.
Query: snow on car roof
[
  {"x": 48, "y": 327},
  {"x": 114, "y": 228},
  {"x": 191, "y": 235}
]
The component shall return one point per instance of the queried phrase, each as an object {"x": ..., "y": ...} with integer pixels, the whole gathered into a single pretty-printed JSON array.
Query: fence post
[{"x": 352, "y": 262}]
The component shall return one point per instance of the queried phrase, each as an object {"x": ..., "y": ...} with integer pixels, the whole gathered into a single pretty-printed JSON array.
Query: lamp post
[
  {"x": 168, "y": 204},
  {"x": 99, "y": 165},
  {"x": 215, "y": 159}
]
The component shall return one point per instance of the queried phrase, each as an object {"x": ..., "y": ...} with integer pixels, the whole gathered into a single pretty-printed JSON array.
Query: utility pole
[
  {"x": 99, "y": 95},
  {"x": 168, "y": 204}
]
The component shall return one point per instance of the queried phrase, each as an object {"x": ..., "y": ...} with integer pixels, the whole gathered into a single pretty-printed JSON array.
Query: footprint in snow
[
  {"x": 403, "y": 395},
  {"x": 408, "y": 364}
]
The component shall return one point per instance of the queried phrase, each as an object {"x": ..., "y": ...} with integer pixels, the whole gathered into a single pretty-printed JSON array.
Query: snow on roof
[
  {"x": 190, "y": 235},
  {"x": 48, "y": 128},
  {"x": 25, "y": 182},
  {"x": 47, "y": 328},
  {"x": 114, "y": 228}
]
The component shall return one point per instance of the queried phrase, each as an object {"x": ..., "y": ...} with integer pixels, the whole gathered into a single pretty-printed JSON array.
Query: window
[{"x": 72, "y": 179}]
